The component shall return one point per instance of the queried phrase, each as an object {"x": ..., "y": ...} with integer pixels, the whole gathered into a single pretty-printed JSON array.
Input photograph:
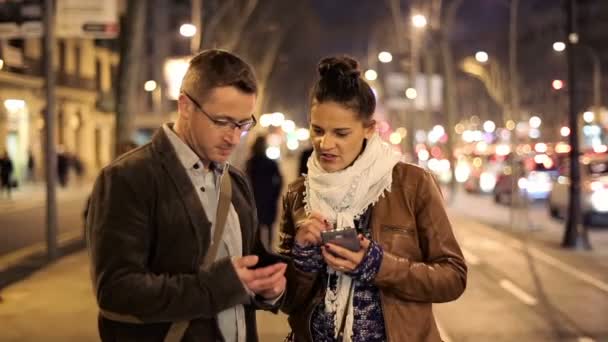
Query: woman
[
  {"x": 267, "y": 182},
  {"x": 408, "y": 255}
]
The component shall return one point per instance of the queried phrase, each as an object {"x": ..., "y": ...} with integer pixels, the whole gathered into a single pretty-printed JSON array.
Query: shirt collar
[{"x": 189, "y": 159}]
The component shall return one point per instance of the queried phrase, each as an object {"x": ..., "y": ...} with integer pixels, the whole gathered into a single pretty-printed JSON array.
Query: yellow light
[
  {"x": 1, "y": 64},
  {"x": 187, "y": 30},
  {"x": 510, "y": 125},
  {"x": 411, "y": 93},
  {"x": 562, "y": 148},
  {"x": 564, "y": 131},
  {"x": 174, "y": 70},
  {"x": 459, "y": 128},
  {"x": 395, "y": 138},
  {"x": 385, "y": 57},
  {"x": 150, "y": 85},
  {"x": 477, "y": 162},
  {"x": 371, "y": 75},
  {"x": 402, "y": 131},
  {"x": 589, "y": 117},
  {"x": 419, "y": 21}
]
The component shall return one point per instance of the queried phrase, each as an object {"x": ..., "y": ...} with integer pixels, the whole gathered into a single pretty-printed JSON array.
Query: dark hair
[
  {"x": 340, "y": 81},
  {"x": 218, "y": 68}
]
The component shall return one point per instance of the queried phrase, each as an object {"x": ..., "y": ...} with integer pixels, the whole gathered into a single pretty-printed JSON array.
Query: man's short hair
[{"x": 218, "y": 68}]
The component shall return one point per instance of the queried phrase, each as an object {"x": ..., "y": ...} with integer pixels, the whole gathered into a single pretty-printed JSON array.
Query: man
[{"x": 150, "y": 221}]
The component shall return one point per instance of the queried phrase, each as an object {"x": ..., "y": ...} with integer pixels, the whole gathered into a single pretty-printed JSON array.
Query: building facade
[{"x": 84, "y": 103}]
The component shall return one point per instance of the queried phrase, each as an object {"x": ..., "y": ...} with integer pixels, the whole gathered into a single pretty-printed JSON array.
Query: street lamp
[
  {"x": 187, "y": 30},
  {"x": 150, "y": 85},
  {"x": 482, "y": 57},
  {"x": 557, "y": 84},
  {"x": 559, "y": 46},
  {"x": 385, "y": 57},
  {"x": 371, "y": 75},
  {"x": 411, "y": 93},
  {"x": 419, "y": 21}
]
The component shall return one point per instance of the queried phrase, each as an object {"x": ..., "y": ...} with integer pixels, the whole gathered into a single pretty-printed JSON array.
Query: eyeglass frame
[{"x": 223, "y": 123}]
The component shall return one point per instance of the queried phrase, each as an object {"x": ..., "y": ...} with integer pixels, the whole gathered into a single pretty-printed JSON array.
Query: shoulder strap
[
  {"x": 178, "y": 329},
  {"x": 220, "y": 218}
]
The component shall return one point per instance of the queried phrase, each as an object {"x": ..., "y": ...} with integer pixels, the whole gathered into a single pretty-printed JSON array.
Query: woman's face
[{"x": 337, "y": 134}]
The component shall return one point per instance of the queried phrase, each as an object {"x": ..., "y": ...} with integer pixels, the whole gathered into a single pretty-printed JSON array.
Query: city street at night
[
  {"x": 146, "y": 146},
  {"x": 521, "y": 283}
]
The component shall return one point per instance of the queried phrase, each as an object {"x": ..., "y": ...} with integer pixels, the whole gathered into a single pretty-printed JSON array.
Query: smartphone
[
  {"x": 346, "y": 238},
  {"x": 268, "y": 259}
]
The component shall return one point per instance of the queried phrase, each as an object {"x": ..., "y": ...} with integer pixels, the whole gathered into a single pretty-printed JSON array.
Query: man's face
[
  {"x": 337, "y": 135},
  {"x": 209, "y": 140}
]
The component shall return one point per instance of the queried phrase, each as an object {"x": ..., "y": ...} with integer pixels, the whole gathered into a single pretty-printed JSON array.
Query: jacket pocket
[{"x": 400, "y": 240}]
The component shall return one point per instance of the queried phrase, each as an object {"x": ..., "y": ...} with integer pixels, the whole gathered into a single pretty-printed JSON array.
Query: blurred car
[
  {"x": 483, "y": 180},
  {"x": 535, "y": 185},
  {"x": 594, "y": 191}
]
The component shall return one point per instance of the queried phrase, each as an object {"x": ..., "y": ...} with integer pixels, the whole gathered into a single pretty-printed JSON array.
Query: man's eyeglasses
[{"x": 243, "y": 126}]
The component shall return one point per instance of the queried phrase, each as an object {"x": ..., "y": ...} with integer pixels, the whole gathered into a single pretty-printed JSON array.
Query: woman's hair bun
[{"x": 338, "y": 67}]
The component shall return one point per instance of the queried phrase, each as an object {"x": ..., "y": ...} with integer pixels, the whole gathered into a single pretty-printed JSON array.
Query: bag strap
[
  {"x": 178, "y": 329},
  {"x": 220, "y": 218}
]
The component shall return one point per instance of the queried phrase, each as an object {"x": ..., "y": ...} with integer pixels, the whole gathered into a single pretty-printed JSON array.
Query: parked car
[
  {"x": 594, "y": 191},
  {"x": 534, "y": 184}
]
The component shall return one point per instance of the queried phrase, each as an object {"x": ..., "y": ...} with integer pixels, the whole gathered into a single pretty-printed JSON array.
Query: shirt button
[
  {"x": 202, "y": 188},
  {"x": 196, "y": 166}
]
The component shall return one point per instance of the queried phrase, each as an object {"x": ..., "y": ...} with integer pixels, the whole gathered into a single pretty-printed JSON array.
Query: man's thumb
[{"x": 247, "y": 261}]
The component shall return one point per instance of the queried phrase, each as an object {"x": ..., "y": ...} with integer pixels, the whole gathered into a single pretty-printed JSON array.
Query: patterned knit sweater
[{"x": 368, "y": 325}]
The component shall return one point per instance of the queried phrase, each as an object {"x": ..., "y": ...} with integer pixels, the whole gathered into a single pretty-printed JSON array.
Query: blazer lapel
[{"x": 187, "y": 193}]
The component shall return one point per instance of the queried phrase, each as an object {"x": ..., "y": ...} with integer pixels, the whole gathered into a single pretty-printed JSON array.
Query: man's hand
[
  {"x": 268, "y": 282},
  {"x": 309, "y": 230},
  {"x": 343, "y": 260}
]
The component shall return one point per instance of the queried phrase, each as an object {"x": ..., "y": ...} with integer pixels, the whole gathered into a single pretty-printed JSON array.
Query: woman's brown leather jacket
[{"x": 422, "y": 261}]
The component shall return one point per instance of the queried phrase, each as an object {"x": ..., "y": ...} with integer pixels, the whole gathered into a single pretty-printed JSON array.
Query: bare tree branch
[{"x": 243, "y": 18}]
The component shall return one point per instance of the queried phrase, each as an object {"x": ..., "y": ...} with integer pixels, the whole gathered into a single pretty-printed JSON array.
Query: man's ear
[
  {"x": 370, "y": 129},
  {"x": 184, "y": 106}
]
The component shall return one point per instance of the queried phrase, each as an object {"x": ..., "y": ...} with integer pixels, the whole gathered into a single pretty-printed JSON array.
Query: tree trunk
[
  {"x": 132, "y": 43},
  {"x": 450, "y": 89}
]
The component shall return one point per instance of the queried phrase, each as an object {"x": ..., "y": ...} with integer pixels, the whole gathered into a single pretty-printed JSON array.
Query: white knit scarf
[{"x": 341, "y": 197}]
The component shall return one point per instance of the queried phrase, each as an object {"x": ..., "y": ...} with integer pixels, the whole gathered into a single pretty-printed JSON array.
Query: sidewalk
[
  {"x": 32, "y": 195},
  {"x": 57, "y": 304}
]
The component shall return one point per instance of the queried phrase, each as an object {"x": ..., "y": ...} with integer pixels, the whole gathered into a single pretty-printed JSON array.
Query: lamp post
[{"x": 575, "y": 235}]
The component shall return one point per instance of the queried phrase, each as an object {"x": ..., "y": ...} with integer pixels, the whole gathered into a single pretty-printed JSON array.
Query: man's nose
[{"x": 233, "y": 136}]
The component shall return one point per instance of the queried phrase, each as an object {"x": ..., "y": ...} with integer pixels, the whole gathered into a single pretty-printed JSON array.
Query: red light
[
  {"x": 436, "y": 151},
  {"x": 557, "y": 84}
]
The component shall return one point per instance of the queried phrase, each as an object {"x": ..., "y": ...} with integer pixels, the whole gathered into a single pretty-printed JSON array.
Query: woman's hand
[
  {"x": 309, "y": 230},
  {"x": 342, "y": 259}
]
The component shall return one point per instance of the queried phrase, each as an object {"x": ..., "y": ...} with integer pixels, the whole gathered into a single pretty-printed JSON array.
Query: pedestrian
[
  {"x": 172, "y": 234},
  {"x": 403, "y": 255},
  {"x": 6, "y": 173},
  {"x": 303, "y": 168},
  {"x": 63, "y": 166},
  {"x": 31, "y": 166},
  {"x": 267, "y": 182}
]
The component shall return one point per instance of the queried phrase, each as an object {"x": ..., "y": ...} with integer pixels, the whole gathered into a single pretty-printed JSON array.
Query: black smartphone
[
  {"x": 346, "y": 238},
  {"x": 268, "y": 259}
]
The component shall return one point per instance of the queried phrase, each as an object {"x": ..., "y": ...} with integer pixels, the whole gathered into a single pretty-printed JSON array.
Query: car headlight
[{"x": 599, "y": 200}]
